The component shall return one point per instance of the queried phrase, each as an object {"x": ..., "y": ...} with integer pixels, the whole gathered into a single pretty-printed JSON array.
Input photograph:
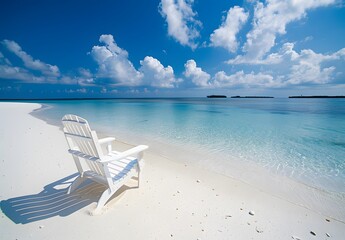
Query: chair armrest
[
  {"x": 108, "y": 141},
  {"x": 125, "y": 154}
]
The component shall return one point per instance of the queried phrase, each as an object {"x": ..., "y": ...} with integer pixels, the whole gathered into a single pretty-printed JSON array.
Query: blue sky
[{"x": 171, "y": 48}]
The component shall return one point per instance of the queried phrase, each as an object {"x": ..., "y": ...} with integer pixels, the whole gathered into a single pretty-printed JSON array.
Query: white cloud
[
  {"x": 307, "y": 39},
  {"x": 4, "y": 60},
  {"x": 85, "y": 73},
  {"x": 298, "y": 68},
  {"x": 221, "y": 79},
  {"x": 85, "y": 77},
  {"x": 109, "y": 41},
  {"x": 11, "y": 72},
  {"x": 114, "y": 64},
  {"x": 284, "y": 68},
  {"x": 182, "y": 24},
  {"x": 305, "y": 72},
  {"x": 46, "y": 69},
  {"x": 82, "y": 90},
  {"x": 339, "y": 54},
  {"x": 271, "y": 19},
  {"x": 225, "y": 35},
  {"x": 36, "y": 71},
  {"x": 196, "y": 74},
  {"x": 285, "y": 53},
  {"x": 307, "y": 67},
  {"x": 78, "y": 90},
  {"x": 156, "y": 75}
]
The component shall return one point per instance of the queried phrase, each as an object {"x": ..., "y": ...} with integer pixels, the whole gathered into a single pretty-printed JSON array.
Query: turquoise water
[{"x": 303, "y": 139}]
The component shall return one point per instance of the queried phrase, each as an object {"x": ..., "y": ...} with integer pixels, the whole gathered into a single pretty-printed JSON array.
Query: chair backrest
[{"x": 83, "y": 142}]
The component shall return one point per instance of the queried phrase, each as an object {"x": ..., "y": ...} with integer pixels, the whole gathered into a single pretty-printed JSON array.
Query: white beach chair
[{"x": 110, "y": 168}]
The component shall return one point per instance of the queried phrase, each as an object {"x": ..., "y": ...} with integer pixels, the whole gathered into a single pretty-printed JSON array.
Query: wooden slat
[{"x": 78, "y": 130}]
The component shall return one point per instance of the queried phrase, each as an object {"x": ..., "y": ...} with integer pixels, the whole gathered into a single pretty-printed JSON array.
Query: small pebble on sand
[
  {"x": 251, "y": 213},
  {"x": 328, "y": 235},
  {"x": 312, "y": 233},
  {"x": 259, "y": 230}
]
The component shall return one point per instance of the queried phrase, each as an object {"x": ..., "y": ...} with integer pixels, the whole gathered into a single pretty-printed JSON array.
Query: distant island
[
  {"x": 316, "y": 96},
  {"x": 216, "y": 96},
  {"x": 251, "y": 97}
]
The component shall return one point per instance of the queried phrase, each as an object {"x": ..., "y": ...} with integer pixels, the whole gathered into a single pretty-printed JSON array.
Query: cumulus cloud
[
  {"x": 114, "y": 64},
  {"x": 85, "y": 77},
  {"x": 271, "y": 19},
  {"x": 305, "y": 72},
  {"x": 307, "y": 67},
  {"x": 180, "y": 17},
  {"x": 285, "y": 53},
  {"x": 156, "y": 75},
  {"x": 11, "y": 72},
  {"x": 287, "y": 67},
  {"x": 221, "y": 79},
  {"x": 196, "y": 74},
  {"x": 29, "y": 62},
  {"x": 298, "y": 68},
  {"x": 225, "y": 35}
]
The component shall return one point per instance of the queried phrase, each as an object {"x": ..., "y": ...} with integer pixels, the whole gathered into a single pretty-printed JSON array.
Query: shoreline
[
  {"x": 175, "y": 200},
  {"x": 319, "y": 200}
]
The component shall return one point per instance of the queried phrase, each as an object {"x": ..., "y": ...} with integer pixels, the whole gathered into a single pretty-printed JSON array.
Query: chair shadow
[{"x": 52, "y": 201}]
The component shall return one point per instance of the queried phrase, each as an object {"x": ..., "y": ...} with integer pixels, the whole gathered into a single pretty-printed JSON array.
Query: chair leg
[
  {"x": 103, "y": 199},
  {"x": 76, "y": 183}
]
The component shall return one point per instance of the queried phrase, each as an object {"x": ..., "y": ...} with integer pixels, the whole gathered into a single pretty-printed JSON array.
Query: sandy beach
[{"x": 174, "y": 201}]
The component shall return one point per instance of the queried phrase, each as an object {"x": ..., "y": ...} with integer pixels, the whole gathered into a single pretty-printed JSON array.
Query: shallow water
[{"x": 303, "y": 139}]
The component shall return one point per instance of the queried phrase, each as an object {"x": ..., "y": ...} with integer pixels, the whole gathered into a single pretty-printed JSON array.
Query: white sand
[{"x": 174, "y": 201}]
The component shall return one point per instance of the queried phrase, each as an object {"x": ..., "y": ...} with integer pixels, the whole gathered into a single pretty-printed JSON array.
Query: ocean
[{"x": 301, "y": 140}]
